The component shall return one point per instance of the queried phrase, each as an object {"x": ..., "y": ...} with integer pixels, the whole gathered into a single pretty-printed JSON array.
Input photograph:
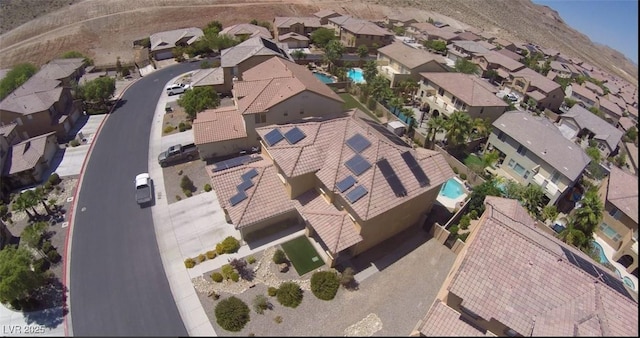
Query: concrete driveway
[{"x": 68, "y": 160}]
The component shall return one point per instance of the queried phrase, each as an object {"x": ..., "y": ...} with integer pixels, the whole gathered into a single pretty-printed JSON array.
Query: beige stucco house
[
  {"x": 28, "y": 160},
  {"x": 581, "y": 94},
  {"x": 443, "y": 93},
  {"x": 546, "y": 93},
  {"x": 398, "y": 62},
  {"x": 244, "y": 31},
  {"x": 294, "y": 40},
  {"x": 582, "y": 126},
  {"x": 273, "y": 92},
  {"x": 354, "y": 33},
  {"x": 424, "y": 31},
  {"x": 349, "y": 184},
  {"x": 301, "y": 25},
  {"x": 325, "y": 14},
  {"x": 163, "y": 43},
  {"x": 501, "y": 64}
]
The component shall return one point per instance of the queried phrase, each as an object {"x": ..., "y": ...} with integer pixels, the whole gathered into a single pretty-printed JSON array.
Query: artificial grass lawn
[
  {"x": 472, "y": 159},
  {"x": 350, "y": 102},
  {"x": 301, "y": 254}
]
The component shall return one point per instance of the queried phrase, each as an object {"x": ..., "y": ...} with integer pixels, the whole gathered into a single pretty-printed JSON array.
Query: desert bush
[
  {"x": 347, "y": 278},
  {"x": 217, "y": 277},
  {"x": 179, "y": 172},
  {"x": 178, "y": 198},
  {"x": 187, "y": 193},
  {"x": 54, "y": 179},
  {"x": 211, "y": 254},
  {"x": 463, "y": 176},
  {"x": 455, "y": 170},
  {"x": 278, "y": 319},
  {"x": 219, "y": 249},
  {"x": 289, "y": 294},
  {"x": 168, "y": 129},
  {"x": 74, "y": 143},
  {"x": 325, "y": 284},
  {"x": 207, "y": 187},
  {"x": 272, "y": 291},
  {"x": 227, "y": 270},
  {"x": 41, "y": 265},
  {"x": 279, "y": 257},
  {"x": 47, "y": 246},
  {"x": 465, "y": 221},
  {"x": 201, "y": 258},
  {"x": 232, "y": 314},
  {"x": 182, "y": 127},
  {"x": 230, "y": 245},
  {"x": 235, "y": 276},
  {"x": 53, "y": 256},
  {"x": 240, "y": 265},
  {"x": 261, "y": 303},
  {"x": 189, "y": 263},
  {"x": 186, "y": 183},
  {"x": 251, "y": 259}
]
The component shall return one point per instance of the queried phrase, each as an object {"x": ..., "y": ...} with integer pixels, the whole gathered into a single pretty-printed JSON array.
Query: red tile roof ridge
[{"x": 344, "y": 135}]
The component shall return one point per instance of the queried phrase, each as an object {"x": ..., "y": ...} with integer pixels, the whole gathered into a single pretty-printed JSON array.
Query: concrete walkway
[{"x": 68, "y": 161}]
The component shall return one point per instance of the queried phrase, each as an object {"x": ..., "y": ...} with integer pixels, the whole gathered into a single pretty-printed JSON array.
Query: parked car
[
  {"x": 144, "y": 189},
  {"x": 177, "y": 153},
  {"x": 513, "y": 97},
  {"x": 177, "y": 88}
]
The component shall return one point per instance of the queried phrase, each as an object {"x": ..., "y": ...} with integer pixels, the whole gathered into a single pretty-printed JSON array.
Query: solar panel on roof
[
  {"x": 237, "y": 198},
  {"x": 357, "y": 193},
  {"x": 358, "y": 143},
  {"x": 235, "y": 162},
  {"x": 415, "y": 168},
  {"x": 250, "y": 174},
  {"x": 273, "y": 137},
  {"x": 346, "y": 183},
  {"x": 391, "y": 177},
  {"x": 294, "y": 135},
  {"x": 244, "y": 185},
  {"x": 357, "y": 164}
]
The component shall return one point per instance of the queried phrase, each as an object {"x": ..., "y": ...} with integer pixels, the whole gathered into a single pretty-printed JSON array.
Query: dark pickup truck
[{"x": 178, "y": 153}]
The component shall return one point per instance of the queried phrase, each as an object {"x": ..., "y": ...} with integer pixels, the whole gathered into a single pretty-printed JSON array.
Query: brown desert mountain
[{"x": 37, "y": 31}]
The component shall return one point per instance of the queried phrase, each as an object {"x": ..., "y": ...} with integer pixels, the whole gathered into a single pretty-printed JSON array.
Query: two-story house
[
  {"x": 163, "y": 43},
  {"x": 397, "y": 20},
  {"x": 244, "y": 31},
  {"x": 619, "y": 227},
  {"x": 354, "y": 33},
  {"x": 513, "y": 279},
  {"x": 463, "y": 49},
  {"x": 347, "y": 181},
  {"x": 272, "y": 92},
  {"x": 302, "y": 25},
  {"x": 582, "y": 95},
  {"x": 582, "y": 126},
  {"x": 546, "y": 93},
  {"x": 67, "y": 71},
  {"x": 612, "y": 112},
  {"x": 501, "y": 64},
  {"x": 564, "y": 70},
  {"x": 533, "y": 151},
  {"x": 27, "y": 161},
  {"x": 443, "y": 93},
  {"x": 325, "y": 14},
  {"x": 424, "y": 31},
  {"x": 398, "y": 62}
]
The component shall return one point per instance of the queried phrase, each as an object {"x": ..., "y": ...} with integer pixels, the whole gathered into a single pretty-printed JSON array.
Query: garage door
[{"x": 164, "y": 55}]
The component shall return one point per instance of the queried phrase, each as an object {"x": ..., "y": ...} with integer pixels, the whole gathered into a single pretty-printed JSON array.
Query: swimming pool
[
  {"x": 355, "y": 74},
  {"x": 324, "y": 78},
  {"x": 452, "y": 189},
  {"x": 603, "y": 259}
]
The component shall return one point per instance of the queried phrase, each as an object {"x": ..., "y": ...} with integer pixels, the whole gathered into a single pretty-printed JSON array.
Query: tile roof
[
  {"x": 543, "y": 138},
  {"x": 324, "y": 152},
  {"x": 365, "y": 27},
  {"x": 502, "y": 60},
  {"x": 335, "y": 227},
  {"x": 443, "y": 321},
  {"x": 292, "y": 35},
  {"x": 537, "y": 80},
  {"x": 610, "y": 106},
  {"x": 247, "y": 29},
  {"x": 536, "y": 95},
  {"x": 7, "y": 129},
  {"x": 340, "y": 20},
  {"x": 487, "y": 45},
  {"x": 602, "y": 129},
  {"x": 168, "y": 39},
  {"x": 529, "y": 281},
  {"x": 623, "y": 192},
  {"x": 467, "y": 87},
  {"x": 593, "y": 87},
  {"x": 288, "y": 21},
  {"x": 323, "y": 13},
  {"x": 471, "y": 46},
  {"x": 207, "y": 77},
  {"x": 35, "y": 95},
  {"x": 256, "y": 45},
  {"x": 617, "y": 100},
  {"x": 469, "y": 36},
  {"x": 58, "y": 69},
  {"x": 426, "y": 28},
  {"x": 265, "y": 199},
  {"x": 410, "y": 57},
  {"x": 584, "y": 92},
  {"x": 563, "y": 67},
  {"x": 221, "y": 124},
  {"x": 26, "y": 154},
  {"x": 626, "y": 123},
  {"x": 632, "y": 110}
]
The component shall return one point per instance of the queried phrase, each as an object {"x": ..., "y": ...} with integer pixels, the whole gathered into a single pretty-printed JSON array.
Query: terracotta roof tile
[
  {"x": 246, "y": 29},
  {"x": 502, "y": 60},
  {"x": 469, "y": 88},
  {"x": 443, "y": 321},
  {"x": 26, "y": 154},
  {"x": 622, "y": 192},
  {"x": 287, "y": 21},
  {"x": 410, "y": 57},
  {"x": 218, "y": 125},
  {"x": 537, "y": 80}
]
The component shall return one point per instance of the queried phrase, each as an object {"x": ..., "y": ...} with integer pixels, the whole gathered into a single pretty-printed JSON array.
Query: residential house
[
  {"x": 67, "y": 71},
  {"x": 583, "y": 126},
  {"x": 324, "y": 15},
  {"x": 8, "y": 137},
  {"x": 40, "y": 106},
  {"x": 581, "y": 94},
  {"x": 532, "y": 85},
  {"x": 443, "y": 93},
  {"x": 424, "y": 31},
  {"x": 613, "y": 89},
  {"x": 273, "y": 92},
  {"x": 357, "y": 32},
  {"x": 163, "y": 43},
  {"x": 533, "y": 151},
  {"x": 612, "y": 112},
  {"x": 512, "y": 55},
  {"x": 347, "y": 180},
  {"x": 502, "y": 65},
  {"x": 27, "y": 161},
  {"x": 210, "y": 77},
  {"x": 249, "y": 53},
  {"x": 594, "y": 88},
  {"x": 398, "y": 62},
  {"x": 468, "y": 36},
  {"x": 632, "y": 113},
  {"x": 464, "y": 50},
  {"x": 244, "y": 31},
  {"x": 504, "y": 44},
  {"x": 549, "y": 53},
  {"x": 294, "y": 40},
  {"x": 395, "y": 20},
  {"x": 564, "y": 70},
  {"x": 301, "y": 25},
  {"x": 514, "y": 279},
  {"x": 619, "y": 227}
]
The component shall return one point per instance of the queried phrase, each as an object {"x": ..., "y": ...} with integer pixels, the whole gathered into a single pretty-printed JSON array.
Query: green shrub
[
  {"x": 289, "y": 294},
  {"x": 219, "y": 249},
  {"x": 74, "y": 143},
  {"x": 260, "y": 303},
  {"x": 371, "y": 103},
  {"x": 187, "y": 193},
  {"x": 217, "y": 277},
  {"x": 53, "y": 256},
  {"x": 179, "y": 172},
  {"x": 182, "y": 127},
  {"x": 54, "y": 179},
  {"x": 465, "y": 221},
  {"x": 272, "y": 292},
  {"x": 48, "y": 186},
  {"x": 464, "y": 236},
  {"x": 251, "y": 259},
  {"x": 211, "y": 254},
  {"x": 235, "y": 276},
  {"x": 347, "y": 278},
  {"x": 189, "y": 263},
  {"x": 232, "y": 314},
  {"x": 279, "y": 257},
  {"x": 230, "y": 245},
  {"x": 168, "y": 129},
  {"x": 41, "y": 265},
  {"x": 278, "y": 319},
  {"x": 227, "y": 270},
  {"x": 186, "y": 183},
  {"x": 178, "y": 198},
  {"x": 201, "y": 258},
  {"x": 47, "y": 246},
  {"x": 463, "y": 176},
  {"x": 455, "y": 170},
  {"x": 325, "y": 284},
  {"x": 207, "y": 187},
  {"x": 473, "y": 214}
]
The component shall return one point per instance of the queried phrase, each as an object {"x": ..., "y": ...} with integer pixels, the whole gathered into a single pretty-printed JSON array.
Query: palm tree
[
  {"x": 363, "y": 52},
  {"x": 379, "y": 88},
  {"x": 341, "y": 74},
  {"x": 458, "y": 127},
  {"x": 532, "y": 197},
  {"x": 436, "y": 124},
  {"x": 41, "y": 196},
  {"x": 395, "y": 103},
  {"x": 573, "y": 236},
  {"x": 22, "y": 203},
  {"x": 369, "y": 71},
  {"x": 482, "y": 127},
  {"x": 298, "y": 54},
  {"x": 409, "y": 87},
  {"x": 333, "y": 52},
  {"x": 589, "y": 215}
]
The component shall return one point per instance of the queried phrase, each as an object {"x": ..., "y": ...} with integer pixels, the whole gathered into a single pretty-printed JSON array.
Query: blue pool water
[
  {"x": 324, "y": 78},
  {"x": 603, "y": 259},
  {"x": 452, "y": 189},
  {"x": 629, "y": 282},
  {"x": 355, "y": 74}
]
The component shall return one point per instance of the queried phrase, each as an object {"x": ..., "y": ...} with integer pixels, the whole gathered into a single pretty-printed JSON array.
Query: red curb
[{"x": 75, "y": 201}]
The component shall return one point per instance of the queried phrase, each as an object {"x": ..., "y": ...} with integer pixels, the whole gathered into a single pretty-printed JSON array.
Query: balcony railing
[
  {"x": 438, "y": 103},
  {"x": 550, "y": 189}
]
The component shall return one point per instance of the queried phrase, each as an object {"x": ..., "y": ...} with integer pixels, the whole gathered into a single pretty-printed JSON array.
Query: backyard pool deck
[{"x": 453, "y": 203}]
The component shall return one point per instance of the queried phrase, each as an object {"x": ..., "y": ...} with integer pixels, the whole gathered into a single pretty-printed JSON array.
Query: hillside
[{"x": 105, "y": 30}]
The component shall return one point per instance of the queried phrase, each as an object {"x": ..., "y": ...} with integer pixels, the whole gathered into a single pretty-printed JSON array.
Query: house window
[
  {"x": 522, "y": 150},
  {"x": 260, "y": 118},
  {"x": 519, "y": 169},
  {"x": 610, "y": 232},
  {"x": 440, "y": 91},
  {"x": 511, "y": 163},
  {"x": 615, "y": 213},
  {"x": 19, "y": 121},
  {"x": 526, "y": 174},
  {"x": 502, "y": 136},
  {"x": 601, "y": 146}
]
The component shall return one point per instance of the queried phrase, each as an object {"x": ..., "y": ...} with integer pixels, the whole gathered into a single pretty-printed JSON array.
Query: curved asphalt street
[{"x": 118, "y": 283}]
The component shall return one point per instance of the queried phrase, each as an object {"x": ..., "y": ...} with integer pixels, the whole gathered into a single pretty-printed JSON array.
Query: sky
[{"x": 609, "y": 22}]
